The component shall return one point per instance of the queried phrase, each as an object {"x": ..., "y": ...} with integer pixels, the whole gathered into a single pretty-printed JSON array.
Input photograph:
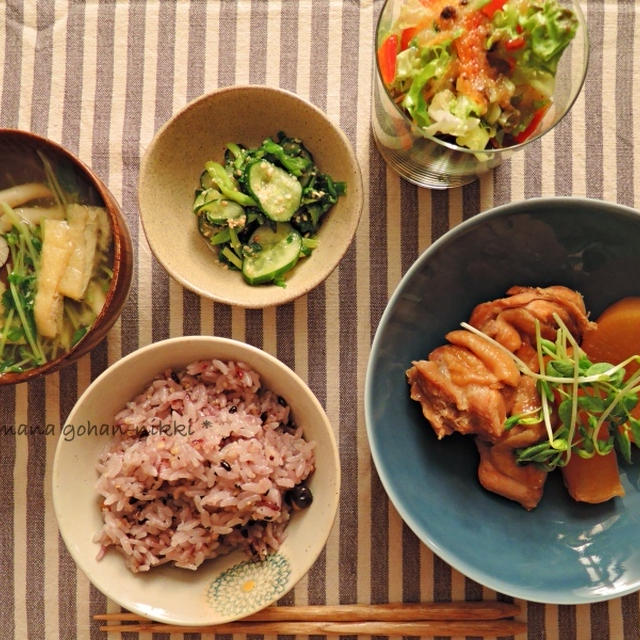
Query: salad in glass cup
[{"x": 458, "y": 82}]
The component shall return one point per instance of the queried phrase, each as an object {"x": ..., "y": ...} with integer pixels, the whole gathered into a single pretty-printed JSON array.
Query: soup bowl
[{"x": 21, "y": 162}]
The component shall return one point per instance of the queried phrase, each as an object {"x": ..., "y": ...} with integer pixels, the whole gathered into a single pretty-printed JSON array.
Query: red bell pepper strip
[
  {"x": 387, "y": 54},
  {"x": 407, "y": 36},
  {"x": 514, "y": 43},
  {"x": 533, "y": 125},
  {"x": 492, "y": 6}
]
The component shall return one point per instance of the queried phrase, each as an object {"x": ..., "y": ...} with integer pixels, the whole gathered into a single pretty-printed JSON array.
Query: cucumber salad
[
  {"x": 479, "y": 73},
  {"x": 262, "y": 208}
]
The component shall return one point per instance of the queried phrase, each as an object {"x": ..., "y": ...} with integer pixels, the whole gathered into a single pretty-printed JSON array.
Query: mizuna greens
[
  {"x": 262, "y": 208},
  {"x": 479, "y": 73},
  {"x": 592, "y": 402}
]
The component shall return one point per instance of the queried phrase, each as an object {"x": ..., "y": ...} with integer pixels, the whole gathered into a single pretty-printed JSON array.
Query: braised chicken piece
[
  {"x": 465, "y": 387},
  {"x": 511, "y": 320},
  {"x": 472, "y": 386},
  {"x": 499, "y": 472}
]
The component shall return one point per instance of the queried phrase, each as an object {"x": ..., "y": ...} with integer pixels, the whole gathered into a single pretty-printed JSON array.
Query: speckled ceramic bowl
[
  {"x": 19, "y": 163},
  {"x": 222, "y": 589},
  {"x": 562, "y": 552},
  {"x": 170, "y": 172}
]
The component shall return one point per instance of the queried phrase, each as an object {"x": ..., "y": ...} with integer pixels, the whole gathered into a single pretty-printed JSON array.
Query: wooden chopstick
[
  {"x": 484, "y": 618},
  {"x": 487, "y": 628},
  {"x": 480, "y": 610}
]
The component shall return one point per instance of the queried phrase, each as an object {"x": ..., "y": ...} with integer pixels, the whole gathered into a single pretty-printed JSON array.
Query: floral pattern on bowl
[{"x": 249, "y": 585}]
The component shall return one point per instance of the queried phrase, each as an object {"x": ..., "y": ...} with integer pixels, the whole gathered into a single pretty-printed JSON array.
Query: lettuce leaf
[
  {"x": 435, "y": 60},
  {"x": 457, "y": 116},
  {"x": 550, "y": 27}
]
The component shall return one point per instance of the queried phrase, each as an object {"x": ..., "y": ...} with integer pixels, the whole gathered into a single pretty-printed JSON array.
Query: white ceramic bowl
[
  {"x": 214, "y": 593},
  {"x": 170, "y": 172}
]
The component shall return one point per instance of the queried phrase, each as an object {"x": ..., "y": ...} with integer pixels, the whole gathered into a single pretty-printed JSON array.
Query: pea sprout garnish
[{"x": 592, "y": 401}]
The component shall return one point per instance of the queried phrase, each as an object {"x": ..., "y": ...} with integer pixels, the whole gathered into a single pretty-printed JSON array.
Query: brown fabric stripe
[
  {"x": 348, "y": 328},
  {"x": 288, "y": 45},
  {"x": 319, "y": 56},
  {"x": 163, "y": 111},
  {"x": 567, "y": 627},
  {"x": 502, "y": 183},
  {"x": 197, "y": 49},
  {"x": 409, "y": 224},
  {"x": 630, "y": 617},
  {"x": 286, "y": 339},
  {"x": 440, "y": 214},
  {"x": 258, "y": 43},
  {"x": 472, "y": 590},
  {"x": 73, "y": 78},
  {"x": 7, "y": 546},
  {"x": 470, "y": 200},
  {"x": 563, "y": 157},
  {"x": 10, "y": 103},
  {"x": 104, "y": 90},
  {"x": 600, "y": 621},
  {"x": 535, "y": 620},
  {"x": 42, "y": 69},
  {"x": 254, "y": 327},
  {"x": 130, "y": 161},
  {"x": 379, "y": 551},
  {"x": 533, "y": 170},
  {"x": 316, "y": 586},
  {"x": 410, "y": 565},
  {"x": 227, "y": 46},
  {"x": 377, "y": 213},
  {"x": 35, "y": 473}
]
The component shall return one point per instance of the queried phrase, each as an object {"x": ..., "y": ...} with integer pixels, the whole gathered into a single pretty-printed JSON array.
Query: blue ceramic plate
[{"x": 563, "y": 552}]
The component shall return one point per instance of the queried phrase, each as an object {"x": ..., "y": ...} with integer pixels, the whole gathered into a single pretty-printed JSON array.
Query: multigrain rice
[{"x": 201, "y": 466}]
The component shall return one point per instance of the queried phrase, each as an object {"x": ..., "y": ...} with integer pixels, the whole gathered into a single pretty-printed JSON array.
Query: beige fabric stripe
[
  {"x": 145, "y": 290},
  {"x": 26, "y": 78},
  {"x": 363, "y": 311},
  {"x": 82, "y": 583}
]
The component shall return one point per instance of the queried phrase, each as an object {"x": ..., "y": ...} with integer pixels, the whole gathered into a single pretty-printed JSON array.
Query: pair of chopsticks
[{"x": 483, "y": 619}]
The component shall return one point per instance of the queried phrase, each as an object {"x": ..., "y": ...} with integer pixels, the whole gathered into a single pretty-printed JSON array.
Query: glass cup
[{"x": 431, "y": 162}]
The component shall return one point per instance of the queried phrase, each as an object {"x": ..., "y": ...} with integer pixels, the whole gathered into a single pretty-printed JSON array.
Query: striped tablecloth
[{"x": 100, "y": 77}]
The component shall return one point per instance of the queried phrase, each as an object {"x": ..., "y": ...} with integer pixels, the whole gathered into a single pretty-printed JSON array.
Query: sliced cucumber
[
  {"x": 222, "y": 211},
  {"x": 279, "y": 251},
  {"x": 277, "y": 192},
  {"x": 206, "y": 181},
  {"x": 204, "y": 196}
]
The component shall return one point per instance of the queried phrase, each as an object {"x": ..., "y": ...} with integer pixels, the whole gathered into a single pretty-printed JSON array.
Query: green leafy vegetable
[
  {"x": 264, "y": 200},
  {"x": 593, "y": 402}
]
